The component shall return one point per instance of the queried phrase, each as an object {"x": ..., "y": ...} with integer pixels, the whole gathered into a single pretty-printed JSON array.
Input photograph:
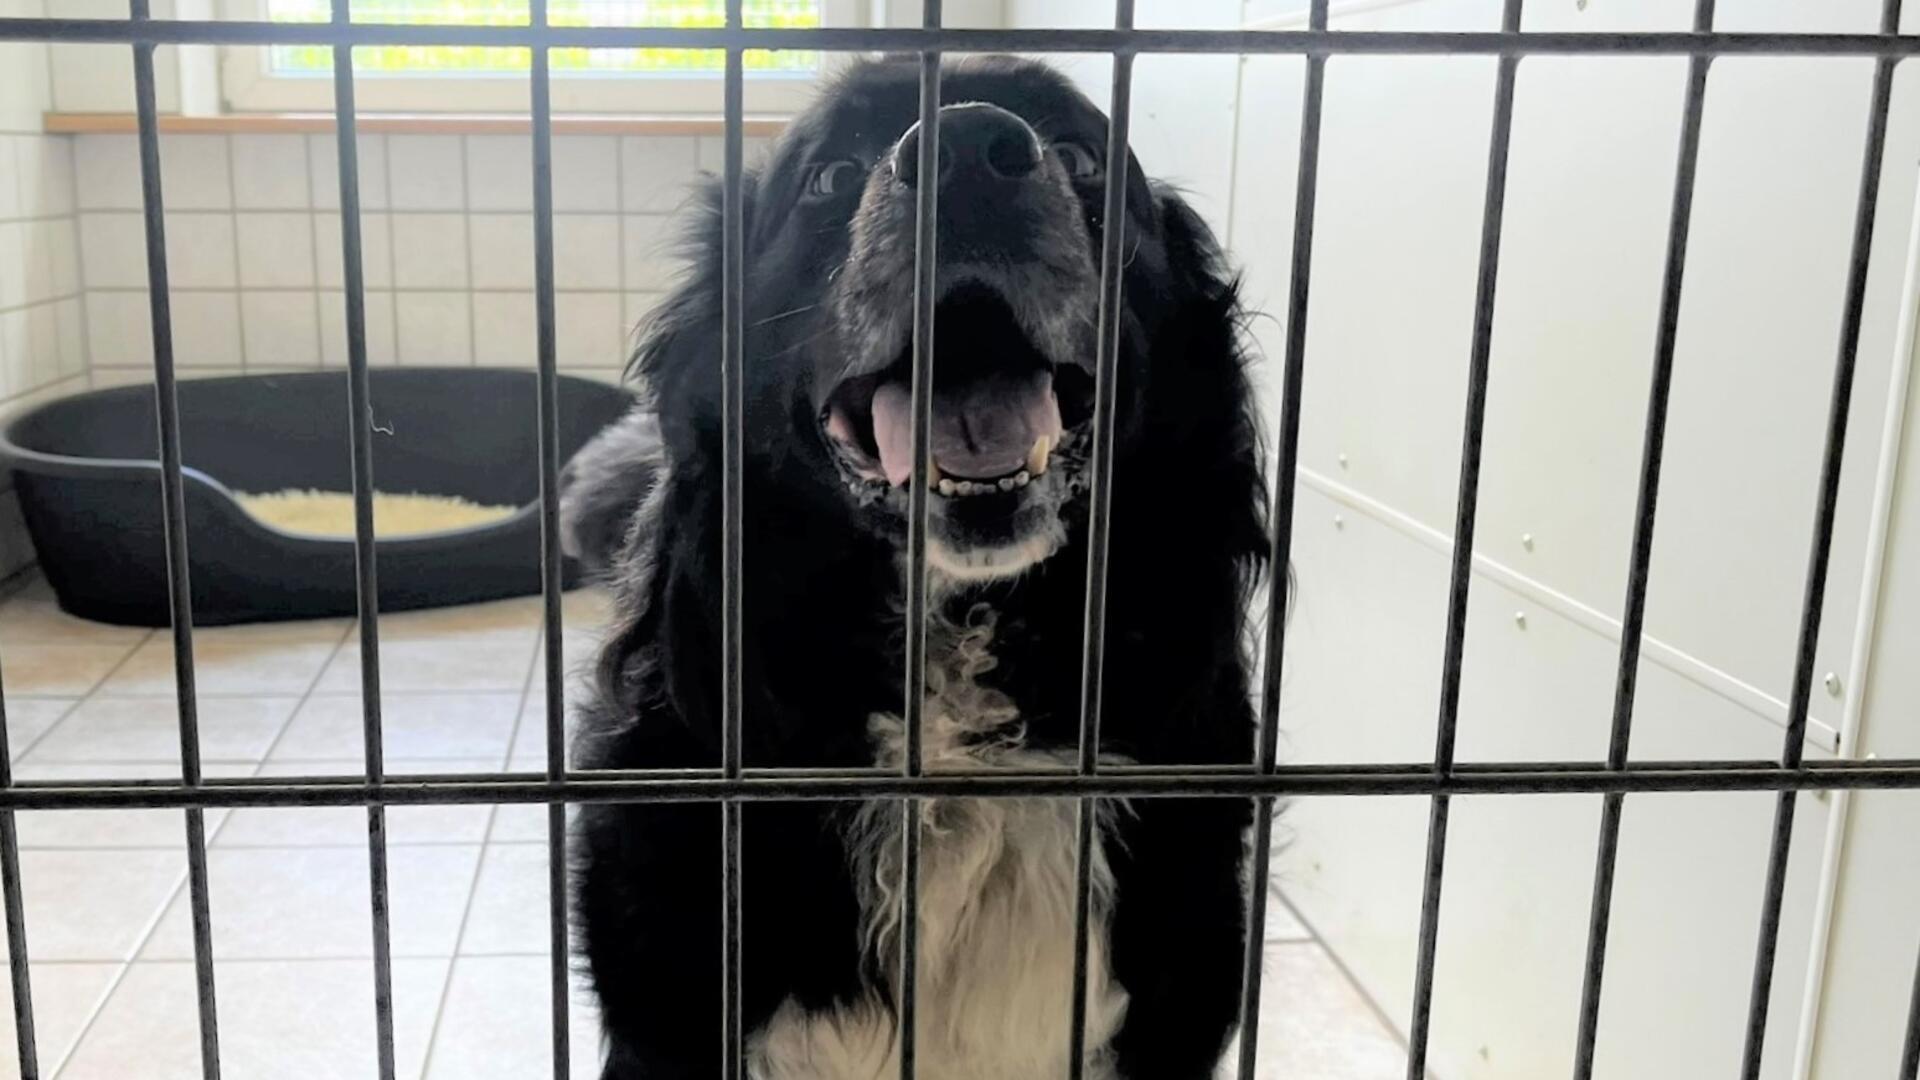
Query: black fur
[{"x": 823, "y": 635}]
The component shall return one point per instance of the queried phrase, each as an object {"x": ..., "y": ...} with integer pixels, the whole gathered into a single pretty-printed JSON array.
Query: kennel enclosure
[{"x": 1264, "y": 778}]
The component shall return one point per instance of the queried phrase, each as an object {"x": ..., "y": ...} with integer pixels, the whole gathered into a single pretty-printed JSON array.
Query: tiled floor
[{"x": 107, "y": 911}]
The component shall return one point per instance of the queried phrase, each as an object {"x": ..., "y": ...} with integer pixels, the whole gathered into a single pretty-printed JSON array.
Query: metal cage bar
[
  {"x": 919, "y": 479},
  {"x": 839, "y": 39},
  {"x": 1286, "y": 484},
  {"x": 1113, "y": 222},
  {"x": 174, "y": 525},
  {"x": 553, "y": 656},
  {"x": 1910, "y": 1048},
  {"x": 1466, "y": 513},
  {"x": 732, "y": 784},
  {"x": 733, "y": 416},
  {"x": 1826, "y": 506},
  {"x": 1640, "y": 561},
  {"x": 16, "y": 914},
  {"x": 366, "y": 578}
]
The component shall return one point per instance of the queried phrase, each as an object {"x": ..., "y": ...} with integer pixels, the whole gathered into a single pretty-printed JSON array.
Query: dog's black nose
[{"x": 978, "y": 143}]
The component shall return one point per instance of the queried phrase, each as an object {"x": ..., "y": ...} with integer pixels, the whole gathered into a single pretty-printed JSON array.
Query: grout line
[
  {"x": 473, "y": 309},
  {"x": 92, "y": 692},
  {"x": 482, "y": 290},
  {"x": 233, "y": 231}
]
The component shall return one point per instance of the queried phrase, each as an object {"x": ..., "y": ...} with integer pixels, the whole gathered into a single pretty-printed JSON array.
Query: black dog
[{"x": 829, "y": 240}]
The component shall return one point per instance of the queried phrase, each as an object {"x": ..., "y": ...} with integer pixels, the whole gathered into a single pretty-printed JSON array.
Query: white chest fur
[{"x": 995, "y": 963}]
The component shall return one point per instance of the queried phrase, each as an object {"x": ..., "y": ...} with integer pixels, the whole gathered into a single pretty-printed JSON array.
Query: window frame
[{"x": 247, "y": 85}]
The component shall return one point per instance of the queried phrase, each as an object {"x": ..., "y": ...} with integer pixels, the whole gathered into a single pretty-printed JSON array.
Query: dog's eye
[
  {"x": 1081, "y": 162},
  {"x": 831, "y": 178}
]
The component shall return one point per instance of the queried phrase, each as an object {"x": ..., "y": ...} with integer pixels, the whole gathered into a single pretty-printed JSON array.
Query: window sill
[{"x": 72, "y": 123}]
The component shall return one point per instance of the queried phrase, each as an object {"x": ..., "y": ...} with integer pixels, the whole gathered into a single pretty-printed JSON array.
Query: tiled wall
[{"x": 253, "y": 230}]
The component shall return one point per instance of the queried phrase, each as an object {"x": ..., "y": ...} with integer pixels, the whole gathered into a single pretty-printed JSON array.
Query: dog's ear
[{"x": 1194, "y": 255}]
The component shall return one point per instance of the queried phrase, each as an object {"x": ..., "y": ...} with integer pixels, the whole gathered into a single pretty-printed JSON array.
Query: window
[{"x": 474, "y": 78}]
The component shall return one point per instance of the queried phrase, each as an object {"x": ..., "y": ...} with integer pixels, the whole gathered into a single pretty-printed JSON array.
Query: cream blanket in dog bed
[{"x": 330, "y": 513}]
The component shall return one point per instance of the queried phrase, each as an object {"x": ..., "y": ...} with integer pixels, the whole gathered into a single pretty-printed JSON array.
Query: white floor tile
[
  {"x": 64, "y": 996},
  {"x": 330, "y": 727},
  {"x": 304, "y": 1020},
  {"x": 94, "y": 905},
  {"x": 313, "y": 903},
  {"x": 1314, "y": 1025},
  {"x": 272, "y": 658},
  {"x": 496, "y": 1023},
  {"x": 147, "y": 729},
  {"x": 509, "y": 913},
  {"x": 59, "y": 670},
  {"x": 112, "y": 828},
  {"x": 312, "y": 826},
  {"x": 33, "y": 617},
  {"x": 30, "y": 718}
]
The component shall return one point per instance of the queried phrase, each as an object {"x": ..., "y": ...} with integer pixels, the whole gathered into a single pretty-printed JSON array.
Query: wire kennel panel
[{"x": 1263, "y": 779}]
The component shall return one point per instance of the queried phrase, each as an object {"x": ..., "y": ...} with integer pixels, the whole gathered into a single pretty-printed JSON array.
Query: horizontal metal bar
[
  {"x": 849, "y": 39},
  {"x": 1413, "y": 779}
]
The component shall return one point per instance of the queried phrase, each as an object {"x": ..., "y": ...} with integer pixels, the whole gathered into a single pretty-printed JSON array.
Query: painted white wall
[
  {"x": 1183, "y": 106},
  {"x": 1401, "y": 185},
  {"x": 1875, "y": 939}
]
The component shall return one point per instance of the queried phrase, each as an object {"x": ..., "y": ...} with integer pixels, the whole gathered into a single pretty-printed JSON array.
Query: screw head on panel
[
  {"x": 1339, "y": 522},
  {"x": 1526, "y": 541},
  {"x": 1342, "y": 459},
  {"x": 1520, "y": 619},
  {"x": 1832, "y": 682}
]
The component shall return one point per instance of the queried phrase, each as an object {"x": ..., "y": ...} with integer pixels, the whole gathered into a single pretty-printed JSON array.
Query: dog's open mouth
[{"x": 1000, "y": 407}]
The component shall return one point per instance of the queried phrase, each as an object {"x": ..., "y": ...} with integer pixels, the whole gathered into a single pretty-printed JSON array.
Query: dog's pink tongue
[{"x": 981, "y": 430}]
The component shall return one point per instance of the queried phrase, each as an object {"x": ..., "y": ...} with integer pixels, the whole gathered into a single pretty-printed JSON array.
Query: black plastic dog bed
[{"x": 88, "y": 479}]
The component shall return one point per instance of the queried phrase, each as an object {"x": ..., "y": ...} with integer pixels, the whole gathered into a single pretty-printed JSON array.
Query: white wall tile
[
  {"x": 502, "y": 251},
  {"x": 590, "y": 330},
  {"x": 63, "y": 246},
  {"x": 43, "y": 335},
  {"x": 711, "y": 152},
  {"x": 16, "y": 263},
  {"x": 41, "y": 238},
  {"x": 206, "y": 329},
  {"x": 500, "y": 172},
  {"x": 276, "y": 250},
  {"x": 281, "y": 329},
  {"x": 194, "y": 172},
  {"x": 651, "y": 262},
  {"x": 16, "y": 354},
  {"x": 323, "y": 155},
  {"x": 12, "y": 200},
  {"x": 376, "y": 250},
  {"x": 270, "y": 172},
  {"x": 586, "y": 251},
  {"x": 106, "y": 172},
  {"x": 504, "y": 331},
  {"x": 430, "y": 251},
  {"x": 113, "y": 250},
  {"x": 200, "y": 250},
  {"x": 73, "y": 340},
  {"x": 426, "y": 172},
  {"x": 119, "y": 330},
  {"x": 46, "y": 174},
  {"x": 586, "y": 172},
  {"x": 434, "y": 327},
  {"x": 333, "y": 328},
  {"x": 657, "y": 172}
]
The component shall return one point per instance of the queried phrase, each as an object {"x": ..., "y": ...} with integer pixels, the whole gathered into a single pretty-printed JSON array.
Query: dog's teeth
[
  {"x": 1022, "y": 478},
  {"x": 1006, "y": 483},
  {"x": 933, "y": 473},
  {"x": 947, "y": 487},
  {"x": 1037, "y": 457}
]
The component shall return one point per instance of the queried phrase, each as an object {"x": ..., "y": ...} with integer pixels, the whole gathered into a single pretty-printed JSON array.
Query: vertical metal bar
[
  {"x": 1910, "y": 1050},
  {"x": 1794, "y": 748},
  {"x": 925, "y": 298},
  {"x": 174, "y": 522},
  {"x": 16, "y": 914},
  {"x": 1099, "y": 520},
  {"x": 366, "y": 576},
  {"x": 546, "y": 345},
  {"x": 1466, "y": 510},
  {"x": 1640, "y": 561},
  {"x": 1306, "y": 191},
  {"x": 733, "y": 414}
]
